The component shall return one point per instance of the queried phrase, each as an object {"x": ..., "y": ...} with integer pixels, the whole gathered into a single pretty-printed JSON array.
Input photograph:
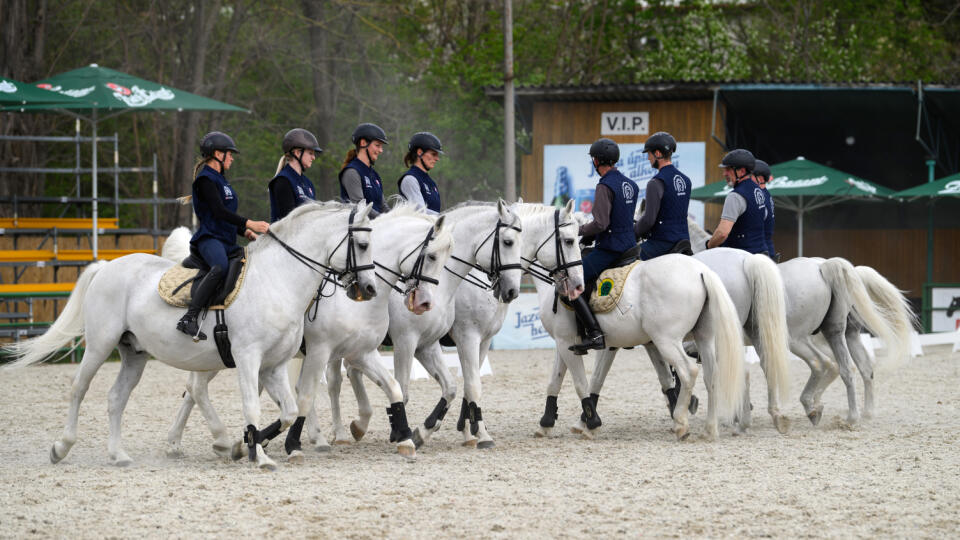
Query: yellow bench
[
  {"x": 36, "y": 255},
  {"x": 58, "y": 223},
  {"x": 22, "y": 288}
]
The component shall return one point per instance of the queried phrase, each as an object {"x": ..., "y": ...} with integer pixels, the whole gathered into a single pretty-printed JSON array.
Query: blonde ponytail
[{"x": 280, "y": 164}]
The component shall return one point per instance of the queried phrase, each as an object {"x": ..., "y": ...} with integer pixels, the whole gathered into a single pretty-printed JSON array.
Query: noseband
[
  {"x": 416, "y": 272},
  {"x": 560, "y": 271},
  {"x": 496, "y": 263}
]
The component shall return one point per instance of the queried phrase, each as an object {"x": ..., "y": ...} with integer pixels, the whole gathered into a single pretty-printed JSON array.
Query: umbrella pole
[
  {"x": 930, "y": 165},
  {"x": 800, "y": 227},
  {"x": 94, "y": 167}
]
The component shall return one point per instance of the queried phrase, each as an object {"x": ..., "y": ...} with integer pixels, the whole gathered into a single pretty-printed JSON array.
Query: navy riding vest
[
  {"x": 619, "y": 235},
  {"x": 302, "y": 189},
  {"x": 428, "y": 188},
  {"x": 748, "y": 231},
  {"x": 768, "y": 226},
  {"x": 209, "y": 225},
  {"x": 671, "y": 224},
  {"x": 370, "y": 181}
]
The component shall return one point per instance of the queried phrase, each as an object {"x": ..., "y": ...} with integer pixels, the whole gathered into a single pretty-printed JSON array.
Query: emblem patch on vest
[
  {"x": 628, "y": 192},
  {"x": 758, "y": 195},
  {"x": 678, "y": 185},
  {"x": 227, "y": 192}
]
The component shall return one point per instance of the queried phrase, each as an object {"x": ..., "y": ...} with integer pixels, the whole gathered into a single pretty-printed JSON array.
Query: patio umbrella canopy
[
  {"x": 97, "y": 90},
  {"x": 802, "y": 185},
  {"x": 948, "y": 186},
  {"x": 15, "y": 94}
]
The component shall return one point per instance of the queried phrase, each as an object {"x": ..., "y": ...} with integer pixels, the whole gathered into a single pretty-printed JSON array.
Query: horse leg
[
  {"x": 864, "y": 365},
  {"x": 468, "y": 347},
  {"x": 589, "y": 420},
  {"x": 358, "y": 427},
  {"x": 686, "y": 371},
  {"x": 132, "y": 363},
  {"x": 175, "y": 433},
  {"x": 93, "y": 358},
  {"x": 431, "y": 358},
  {"x": 198, "y": 392},
  {"x": 334, "y": 384},
  {"x": 667, "y": 383},
  {"x": 780, "y": 422},
  {"x": 248, "y": 370},
  {"x": 834, "y": 332},
  {"x": 600, "y": 370},
  {"x": 822, "y": 374},
  {"x": 369, "y": 365},
  {"x": 549, "y": 418},
  {"x": 276, "y": 382}
]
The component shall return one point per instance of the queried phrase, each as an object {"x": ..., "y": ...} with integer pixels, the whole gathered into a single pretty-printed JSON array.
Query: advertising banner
[
  {"x": 568, "y": 172},
  {"x": 522, "y": 329},
  {"x": 945, "y": 302}
]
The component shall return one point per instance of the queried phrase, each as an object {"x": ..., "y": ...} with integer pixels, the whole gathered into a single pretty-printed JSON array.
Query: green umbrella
[
  {"x": 802, "y": 185},
  {"x": 15, "y": 94},
  {"x": 948, "y": 186},
  {"x": 99, "y": 89}
]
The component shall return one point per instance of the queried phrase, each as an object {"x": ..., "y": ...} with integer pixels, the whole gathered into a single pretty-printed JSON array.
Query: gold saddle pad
[
  {"x": 178, "y": 275},
  {"x": 610, "y": 287}
]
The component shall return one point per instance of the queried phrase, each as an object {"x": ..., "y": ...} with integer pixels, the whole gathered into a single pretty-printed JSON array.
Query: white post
[
  {"x": 94, "y": 167},
  {"x": 800, "y": 227},
  {"x": 509, "y": 148}
]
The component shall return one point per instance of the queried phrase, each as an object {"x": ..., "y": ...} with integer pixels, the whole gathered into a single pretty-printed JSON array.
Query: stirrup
[{"x": 187, "y": 326}]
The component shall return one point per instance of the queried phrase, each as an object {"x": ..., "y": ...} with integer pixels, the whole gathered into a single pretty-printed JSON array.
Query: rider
[
  {"x": 416, "y": 186},
  {"x": 761, "y": 171},
  {"x": 614, "y": 202},
  {"x": 742, "y": 220},
  {"x": 290, "y": 187},
  {"x": 664, "y": 219},
  {"x": 215, "y": 204},
  {"x": 358, "y": 180}
]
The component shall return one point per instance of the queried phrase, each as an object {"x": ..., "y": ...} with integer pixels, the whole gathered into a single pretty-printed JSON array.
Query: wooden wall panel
[{"x": 579, "y": 123}]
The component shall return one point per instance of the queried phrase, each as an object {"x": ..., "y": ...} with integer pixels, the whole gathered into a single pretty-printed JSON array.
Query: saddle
[
  {"x": 173, "y": 283},
  {"x": 609, "y": 285}
]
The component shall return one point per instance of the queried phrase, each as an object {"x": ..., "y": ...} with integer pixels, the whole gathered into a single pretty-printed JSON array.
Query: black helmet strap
[
  {"x": 223, "y": 168},
  {"x": 298, "y": 158}
]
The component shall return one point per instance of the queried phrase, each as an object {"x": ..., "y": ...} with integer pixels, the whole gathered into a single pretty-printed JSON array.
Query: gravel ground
[{"x": 895, "y": 476}]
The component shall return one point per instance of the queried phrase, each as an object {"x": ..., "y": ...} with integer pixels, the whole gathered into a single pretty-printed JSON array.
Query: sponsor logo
[
  {"x": 758, "y": 196},
  {"x": 138, "y": 97},
  {"x": 227, "y": 192},
  {"x": 7, "y": 87},
  {"x": 531, "y": 320},
  {"x": 952, "y": 187},
  {"x": 862, "y": 186},
  {"x": 679, "y": 185},
  {"x": 628, "y": 192},
  {"x": 782, "y": 182},
  {"x": 76, "y": 92}
]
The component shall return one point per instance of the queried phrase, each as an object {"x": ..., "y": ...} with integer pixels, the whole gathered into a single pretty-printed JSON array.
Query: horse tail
[
  {"x": 770, "y": 316},
  {"x": 67, "y": 327},
  {"x": 893, "y": 307},
  {"x": 728, "y": 345},
  {"x": 177, "y": 246},
  {"x": 847, "y": 286}
]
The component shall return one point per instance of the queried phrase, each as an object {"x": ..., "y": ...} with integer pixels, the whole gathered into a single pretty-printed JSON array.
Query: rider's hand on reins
[{"x": 257, "y": 226}]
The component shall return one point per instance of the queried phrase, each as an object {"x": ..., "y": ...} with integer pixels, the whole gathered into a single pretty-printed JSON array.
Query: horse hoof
[
  {"x": 472, "y": 443},
  {"x": 122, "y": 462},
  {"x": 342, "y": 442},
  {"x": 295, "y": 457},
  {"x": 407, "y": 450},
  {"x": 586, "y": 435},
  {"x": 55, "y": 456},
  {"x": 682, "y": 432},
  {"x": 322, "y": 448},
  {"x": 542, "y": 432},
  {"x": 782, "y": 424},
  {"x": 485, "y": 444},
  {"x": 694, "y": 405},
  {"x": 356, "y": 431},
  {"x": 815, "y": 415},
  {"x": 577, "y": 429},
  {"x": 417, "y": 439},
  {"x": 268, "y": 466},
  {"x": 174, "y": 453},
  {"x": 238, "y": 451}
]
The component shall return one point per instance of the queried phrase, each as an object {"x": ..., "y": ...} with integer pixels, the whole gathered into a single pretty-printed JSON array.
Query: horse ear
[
  {"x": 438, "y": 226},
  {"x": 363, "y": 209},
  {"x": 568, "y": 210},
  {"x": 519, "y": 200}
]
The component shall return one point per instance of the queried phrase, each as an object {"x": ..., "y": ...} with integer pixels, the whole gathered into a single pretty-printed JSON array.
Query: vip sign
[{"x": 625, "y": 123}]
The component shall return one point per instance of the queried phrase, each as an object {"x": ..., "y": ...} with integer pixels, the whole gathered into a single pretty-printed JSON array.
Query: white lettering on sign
[
  {"x": 625, "y": 123},
  {"x": 951, "y": 187}
]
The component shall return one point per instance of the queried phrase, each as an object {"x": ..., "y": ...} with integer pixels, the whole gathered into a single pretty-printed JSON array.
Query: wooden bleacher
[
  {"x": 34, "y": 290},
  {"x": 71, "y": 255},
  {"x": 56, "y": 223}
]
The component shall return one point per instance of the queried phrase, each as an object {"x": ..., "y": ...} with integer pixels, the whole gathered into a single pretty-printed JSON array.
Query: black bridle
[
  {"x": 416, "y": 273},
  {"x": 496, "y": 263},
  {"x": 331, "y": 275},
  {"x": 559, "y": 273}
]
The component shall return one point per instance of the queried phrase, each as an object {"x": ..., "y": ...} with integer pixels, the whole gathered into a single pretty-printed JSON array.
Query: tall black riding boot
[
  {"x": 202, "y": 295},
  {"x": 592, "y": 335}
]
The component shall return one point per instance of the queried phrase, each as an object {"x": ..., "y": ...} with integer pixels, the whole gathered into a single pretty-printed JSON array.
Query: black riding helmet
[
  {"x": 370, "y": 132},
  {"x": 739, "y": 158},
  {"x": 661, "y": 141},
  {"x": 300, "y": 138},
  {"x": 426, "y": 141},
  {"x": 605, "y": 151},
  {"x": 762, "y": 169},
  {"x": 216, "y": 140}
]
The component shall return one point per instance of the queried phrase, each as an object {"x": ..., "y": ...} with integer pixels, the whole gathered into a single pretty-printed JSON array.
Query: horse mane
[
  {"x": 695, "y": 229},
  {"x": 404, "y": 208},
  {"x": 291, "y": 220}
]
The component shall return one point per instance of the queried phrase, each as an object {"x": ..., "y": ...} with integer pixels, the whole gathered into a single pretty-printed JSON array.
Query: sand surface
[{"x": 895, "y": 476}]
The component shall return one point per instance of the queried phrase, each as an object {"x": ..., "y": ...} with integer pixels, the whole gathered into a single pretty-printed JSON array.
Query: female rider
[
  {"x": 290, "y": 187},
  {"x": 416, "y": 186},
  {"x": 358, "y": 180}
]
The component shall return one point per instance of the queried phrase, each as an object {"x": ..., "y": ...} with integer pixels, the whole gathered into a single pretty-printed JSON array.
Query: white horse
[
  {"x": 487, "y": 238},
  {"x": 664, "y": 300},
  {"x": 115, "y": 305},
  {"x": 549, "y": 242},
  {"x": 411, "y": 247}
]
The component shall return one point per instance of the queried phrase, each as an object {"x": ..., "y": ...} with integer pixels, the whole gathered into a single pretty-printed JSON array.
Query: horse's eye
[
  {"x": 432, "y": 257},
  {"x": 508, "y": 243},
  {"x": 362, "y": 246},
  {"x": 568, "y": 242}
]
